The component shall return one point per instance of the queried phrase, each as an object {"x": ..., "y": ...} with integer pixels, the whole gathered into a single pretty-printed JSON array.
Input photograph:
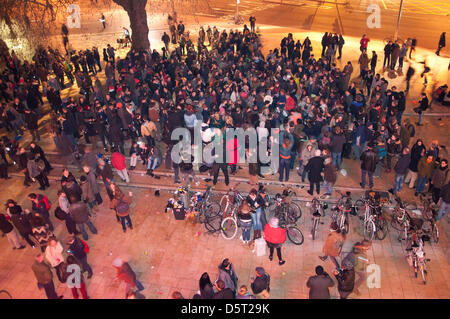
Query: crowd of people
[{"x": 323, "y": 118}]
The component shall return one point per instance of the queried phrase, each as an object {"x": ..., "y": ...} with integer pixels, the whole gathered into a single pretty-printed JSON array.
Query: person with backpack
[
  {"x": 71, "y": 260},
  {"x": 333, "y": 245},
  {"x": 37, "y": 172},
  {"x": 62, "y": 213},
  {"x": 121, "y": 204},
  {"x": 79, "y": 212},
  {"x": 80, "y": 249},
  {"x": 275, "y": 236},
  {"x": 439, "y": 178},
  {"x": 423, "y": 106},
  {"x": 228, "y": 275},
  {"x": 41, "y": 204},
  {"x": 345, "y": 279}
]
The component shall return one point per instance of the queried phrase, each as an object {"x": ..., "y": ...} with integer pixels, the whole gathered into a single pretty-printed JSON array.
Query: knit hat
[
  {"x": 117, "y": 262},
  {"x": 273, "y": 222},
  {"x": 260, "y": 271}
]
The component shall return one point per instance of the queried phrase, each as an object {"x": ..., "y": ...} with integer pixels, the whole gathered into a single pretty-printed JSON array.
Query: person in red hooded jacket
[
  {"x": 118, "y": 162},
  {"x": 275, "y": 236}
]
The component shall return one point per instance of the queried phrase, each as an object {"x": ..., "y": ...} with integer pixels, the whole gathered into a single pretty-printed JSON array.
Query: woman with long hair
[
  {"x": 121, "y": 204},
  {"x": 206, "y": 287}
]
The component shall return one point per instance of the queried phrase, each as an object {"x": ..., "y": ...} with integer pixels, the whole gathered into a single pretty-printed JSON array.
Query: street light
[{"x": 398, "y": 20}]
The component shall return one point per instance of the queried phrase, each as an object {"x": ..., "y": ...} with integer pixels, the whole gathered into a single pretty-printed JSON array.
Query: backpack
[
  {"x": 47, "y": 202},
  {"x": 86, "y": 247},
  {"x": 60, "y": 214},
  {"x": 122, "y": 206},
  {"x": 412, "y": 130}
]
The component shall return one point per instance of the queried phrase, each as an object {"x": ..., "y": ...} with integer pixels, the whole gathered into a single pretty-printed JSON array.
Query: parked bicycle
[
  {"x": 374, "y": 224},
  {"x": 429, "y": 226},
  {"x": 284, "y": 201},
  {"x": 288, "y": 221},
  {"x": 230, "y": 203},
  {"x": 416, "y": 255},
  {"x": 317, "y": 211}
]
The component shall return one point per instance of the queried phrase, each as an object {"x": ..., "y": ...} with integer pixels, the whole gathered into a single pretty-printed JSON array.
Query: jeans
[
  {"x": 153, "y": 163},
  {"x": 311, "y": 187},
  {"x": 50, "y": 290},
  {"x": 123, "y": 175},
  {"x": 137, "y": 284},
  {"x": 398, "y": 182},
  {"x": 256, "y": 219},
  {"x": 328, "y": 188},
  {"x": 399, "y": 116},
  {"x": 335, "y": 262},
  {"x": 363, "y": 178},
  {"x": 420, "y": 118},
  {"x": 411, "y": 178},
  {"x": 337, "y": 160},
  {"x": 246, "y": 227},
  {"x": 357, "y": 150},
  {"x": 271, "y": 248},
  {"x": 91, "y": 228},
  {"x": 128, "y": 220},
  {"x": 285, "y": 164},
  {"x": 133, "y": 160},
  {"x": 443, "y": 210},
  {"x": 421, "y": 181}
]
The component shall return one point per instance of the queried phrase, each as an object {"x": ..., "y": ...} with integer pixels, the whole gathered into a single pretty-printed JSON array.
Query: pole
[{"x": 398, "y": 20}]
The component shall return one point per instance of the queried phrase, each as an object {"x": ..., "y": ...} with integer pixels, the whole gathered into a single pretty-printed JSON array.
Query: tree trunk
[{"x": 138, "y": 21}]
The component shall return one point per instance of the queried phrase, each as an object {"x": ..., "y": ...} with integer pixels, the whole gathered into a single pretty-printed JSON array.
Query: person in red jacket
[
  {"x": 275, "y": 236},
  {"x": 364, "y": 43},
  {"x": 118, "y": 162}
]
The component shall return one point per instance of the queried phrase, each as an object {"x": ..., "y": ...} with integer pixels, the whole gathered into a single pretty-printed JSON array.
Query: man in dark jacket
[
  {"x": 315, "y": 168},
  {"x": 43, "y": 273},
  {"x": 8, "y": 229},
  {"x": 36, "y": 149},
  {"x": 318, "y": 285},
  {"x": 346, "y": 280},
  {"x": 401, "y": 168},
  {"x": 369, "y": 161},
  {"x": 261, "y": 282},
  {"x": 223, "y": 293},
  {"x": 337, "y": 145},
  {"x": 38, "y": 203},
  {"x": 76, "y": 247},
  {"x": 79, "y": 212},
  {"x": 23, "y": 160},
  {"x": 445, "y": 202},
  {"x": 228, "y": 275},
  {"x": 31, "y": 120}
]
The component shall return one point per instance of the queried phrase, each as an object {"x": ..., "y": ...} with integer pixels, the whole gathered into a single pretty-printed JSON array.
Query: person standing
[
  {"x": 223, "y": 292},
  {"x": 23, "y": 161},
  {"x": 103, "y": 21},
  {"x": 65, "y": 36},
  {"x": 319, "y": 284},
  {"x": 409, "y": 75},
  {"x": 8, "y": 229},
  {"x": 364, "y": 42},
  {"x": 40, "y": 155},
  {"x": 417, "y": 151},
  {"x": 444, "y": 209},
  {"x": 78, "y": 248},
  {"x": 369, "y": 161},
  {"x": 340, "y": 44},
  {"x": 387, "y": 54},
  {"x": 345, "y": 279},
  {"x": 395, "y": 53},
  {"x": 121, "y": 204},
  {"x": 21, "y": 221},
  {"x": 360, "y": 260},
  {"x": 41, "y": 204},
  {"x": 62, "y": 213},
  {"x": 228, "y": 276},
  {"x": 441, "y": 43},
  {"x": 373, "y": 61},
  {"x": 166, "y": 39},
  {"x": 53, "y": 254},
  {"x": 92, "y": 180},
  {"x": 119, "y": 163},
  {"x": 424, "y": 171},
  {"x": 252, "y": 23},
  {"x": 400, "y": 170},
  {"x": 71, "y": 260},
  {"x": 261, "y": 284},
  {"x": 337, "y": 146},
  {"x": 413, "y": 47},
  {"x": 439, "y": 179},
  {"x": 423, "y": 106},
  {"x": 245, "y": 221},
  {"x": 363, "y": 63},
  {"x": 315, "y": 168},
  {"x": 275, "y": 236},
  {"x": 206, "y": 287},
  {"x": 43, "y": 274},
  {"x": 329, "y": 176},
  {"x": 31, "y": 120},
  {"x": 36, "y": 172},
  {"x": 285, "y": 156},
  {"x": 79, "y": 212},
  {"x": 333, "y": 245}
]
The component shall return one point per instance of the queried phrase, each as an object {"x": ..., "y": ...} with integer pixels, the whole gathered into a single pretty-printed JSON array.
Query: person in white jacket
[{"x": 53, "y": 254}]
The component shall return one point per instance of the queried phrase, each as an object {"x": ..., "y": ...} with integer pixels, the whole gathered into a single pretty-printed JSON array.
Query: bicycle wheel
[
  {"x": 369, "y": 230},
  {"x": 382, "y": 229},
  {"x": 358, "y": 205},
  {"x": 343, "y": 223},
  {"x": 314, "y": 229},
  {"x": 295, "y": 235},
  {"x": 213, "y": 224},
  {"x": 435, "y": 234},
  {"x": 294, "y": 211},
  {"x": 212, "y": 210},
  {"x": 228, "y": 228},
  {"x": 5, "y": 295},
  {"x": 224, "y": 204}
]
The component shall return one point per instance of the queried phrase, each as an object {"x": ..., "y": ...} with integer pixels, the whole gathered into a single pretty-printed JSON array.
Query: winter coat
[
  {"x": 402, "y": 165},
  {"x": 54, "y": 254},
  {"x": 274, "y": 235},
  {"x": 77, "y": 248},
  {"x": 329, "y": 173},
  {"x": 369, "y": 160},
  {"x": 5, "y": 226},
  {"x": 425, "y": 169},
  {"x": 42, "y": 272},
  {"x": 260, "y": 284},
  {"x": 22, "y": 222},
  {"x": 79, "y": 212},
  {"x": 440, "y": 177},
  {"x": 346, "y": 280},
  {"x": 318, "y": 286},
  {"x": 337, "y": 143},
  {"x": 33, "y": 168},
  {"x": 88, "y": 194},
  {"x": 416, "y": 152},
  {"x": 118, "y": 161},
  {"x": 92, "y": 179},
  {"x": 333, "y": 244},
  {"x": 314, "y": 168},
  {"x": 306, "y": 154},
  {"x": 229, "y": 277}
]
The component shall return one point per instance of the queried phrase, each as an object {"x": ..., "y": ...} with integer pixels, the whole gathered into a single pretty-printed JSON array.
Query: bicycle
[
  {"x": 428, "y": 213},
  {"x": 416, "y": 255},
  {"x": 343, "y": 207},
  {"x": 288, "y": 222},
  {"x": 4, "y": 294},
  {"x": 285, "y": 200},
  {"x": 230, "y": 203},
  {"x": 317, "y": 210},
  {"x": 374, "y": 224},
  {"x": 401, "y": 220},
  {"x": 206, "y": 209}
]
